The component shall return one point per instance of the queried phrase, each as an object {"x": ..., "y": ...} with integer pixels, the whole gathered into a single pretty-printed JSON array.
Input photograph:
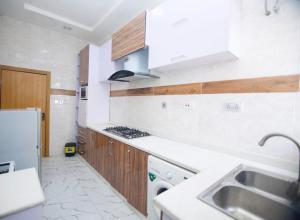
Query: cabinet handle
[
  {"x": 177, "y": 58},
  {"x": 179, "y": 21},
  {"x": 110, "y": 150}
]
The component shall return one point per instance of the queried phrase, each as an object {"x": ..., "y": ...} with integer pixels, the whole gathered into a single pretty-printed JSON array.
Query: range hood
[{"x": 133, "y": 66}]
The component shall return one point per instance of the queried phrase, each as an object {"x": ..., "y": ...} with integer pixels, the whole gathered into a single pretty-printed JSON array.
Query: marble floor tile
[{"x": 74, "y": 191}]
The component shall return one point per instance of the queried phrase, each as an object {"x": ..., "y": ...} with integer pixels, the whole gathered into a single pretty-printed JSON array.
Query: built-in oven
[{"x": 84, "y": 92}]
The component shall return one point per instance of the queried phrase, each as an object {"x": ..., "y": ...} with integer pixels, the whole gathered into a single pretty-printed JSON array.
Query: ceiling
[{"x": 91, "y": 20}]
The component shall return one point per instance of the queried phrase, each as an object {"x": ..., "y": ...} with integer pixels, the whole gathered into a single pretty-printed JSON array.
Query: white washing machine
[{"x": 161, "y": 177}]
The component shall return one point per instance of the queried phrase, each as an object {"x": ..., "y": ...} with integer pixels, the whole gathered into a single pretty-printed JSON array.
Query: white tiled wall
[
  {"x": 30, "y": 46},
  {"x": 269, "y": 46}
]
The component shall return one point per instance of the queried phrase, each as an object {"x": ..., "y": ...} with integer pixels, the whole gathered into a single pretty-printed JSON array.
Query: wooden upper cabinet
[
  {"x": 84, "y": 65},
  {"x": 129, "y": 38}
]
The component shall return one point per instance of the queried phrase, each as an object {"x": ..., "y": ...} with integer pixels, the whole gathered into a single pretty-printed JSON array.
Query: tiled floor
[{"x": 74, "y": 192}]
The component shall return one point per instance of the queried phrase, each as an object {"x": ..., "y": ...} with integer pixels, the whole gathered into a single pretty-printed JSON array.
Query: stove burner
[{"x": 126, "y": 132}]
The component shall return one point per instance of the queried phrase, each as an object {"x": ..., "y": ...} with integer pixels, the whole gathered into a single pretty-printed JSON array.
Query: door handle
[{"x": 43, "y": 116}]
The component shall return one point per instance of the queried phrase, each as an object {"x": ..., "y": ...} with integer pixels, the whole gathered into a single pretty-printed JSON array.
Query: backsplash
[
  {"x": 29, "y": 46},
  {"x": 231, "y": 123}
]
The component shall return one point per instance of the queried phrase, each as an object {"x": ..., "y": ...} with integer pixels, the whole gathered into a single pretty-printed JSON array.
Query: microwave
[{"x": 83, "y": 92}]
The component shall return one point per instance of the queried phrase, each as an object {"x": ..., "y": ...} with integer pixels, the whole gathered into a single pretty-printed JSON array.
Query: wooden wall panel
[
  {"x": 255, "y": 85},
  {"x": 185, "y": 89},
  {"x": 289, "y": 83},
  {"x": 129, "y": 38},
  {"x": 63, "y": 92},
  {"x": 132, "y": 92}
]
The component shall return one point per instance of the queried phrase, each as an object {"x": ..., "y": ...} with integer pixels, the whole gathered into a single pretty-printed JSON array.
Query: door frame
[{"x": 48, "y": 82}]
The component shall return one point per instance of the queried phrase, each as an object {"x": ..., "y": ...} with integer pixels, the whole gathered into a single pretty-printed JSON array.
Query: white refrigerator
[{"x": 20, "y": 138}]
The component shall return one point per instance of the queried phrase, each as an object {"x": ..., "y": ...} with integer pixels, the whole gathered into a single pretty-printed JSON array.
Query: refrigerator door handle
[{"x": 38, "y": 150}]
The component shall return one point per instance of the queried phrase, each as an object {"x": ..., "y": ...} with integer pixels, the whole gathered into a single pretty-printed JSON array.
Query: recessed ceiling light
[{"x": 67, "y": 28}]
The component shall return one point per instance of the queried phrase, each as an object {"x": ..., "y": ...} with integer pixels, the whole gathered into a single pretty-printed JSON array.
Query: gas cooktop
[{"x": 126, "y": 132}]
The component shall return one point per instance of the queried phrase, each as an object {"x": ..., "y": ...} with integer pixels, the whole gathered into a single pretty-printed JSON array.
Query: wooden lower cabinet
[
  {"x": 123, "y": 166},
  {"x": 82, "y": 140}
]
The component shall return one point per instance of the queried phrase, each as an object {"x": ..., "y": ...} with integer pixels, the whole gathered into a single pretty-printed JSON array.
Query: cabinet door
[
  {"x": 84, "y": 65},
  {"x": 91, "y": 147},
  {"x": 158, "y": 38},
  {"x": 111, "y": 161},
  {"x": 103, "y": 165},
  {"x": 118, "y": 166},
  {"x": 129, "y": 38},
  {"x": 101, "y": 142},
  {"x": 94, "y": 148},
  {"x": 187, "y": 30},
  {"x": 82, "y": 141},
  {"x": 136, "y": 179}
]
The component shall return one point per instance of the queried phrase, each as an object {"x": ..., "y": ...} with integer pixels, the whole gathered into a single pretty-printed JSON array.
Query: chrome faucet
[{"x": 294, "y": 191}]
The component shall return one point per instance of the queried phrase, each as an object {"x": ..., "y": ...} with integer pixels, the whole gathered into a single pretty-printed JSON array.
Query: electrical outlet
[
  {"x": 232, "y": 107},
  {"x": 60, "y": 101},
  {"x": 188, "y": 106}
]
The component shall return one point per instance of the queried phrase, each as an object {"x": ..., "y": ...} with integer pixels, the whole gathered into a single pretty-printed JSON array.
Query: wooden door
[
  {"x": 136, "y": 179},
  {"x": 26, "y": 90}
]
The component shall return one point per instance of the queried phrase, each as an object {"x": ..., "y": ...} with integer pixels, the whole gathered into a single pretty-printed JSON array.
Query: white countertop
[
  {"x": 20, "y": 190},
  {"x": 187, "y": 156},
  {"x": 180, "y": 202}
]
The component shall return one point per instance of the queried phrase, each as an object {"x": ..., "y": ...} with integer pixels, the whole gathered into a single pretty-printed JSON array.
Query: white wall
[
  {"x": 30, "y": 46},
  {"x": 269, "y": 46}
]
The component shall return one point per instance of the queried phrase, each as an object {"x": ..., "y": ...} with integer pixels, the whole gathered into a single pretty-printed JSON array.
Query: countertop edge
[{"x": 39, "y": 200}]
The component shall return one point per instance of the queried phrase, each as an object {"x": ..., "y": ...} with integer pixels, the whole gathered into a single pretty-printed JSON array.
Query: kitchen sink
[
  {"x": 244, "y": 204},
  {"x": 248, "y": 193},
  {"x": 260, "y": 181}
]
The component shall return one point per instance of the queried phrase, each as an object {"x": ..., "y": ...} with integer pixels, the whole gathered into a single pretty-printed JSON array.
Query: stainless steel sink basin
[
  {"x": 243, "y": 204},
  {"x": 248, "y": 193},
  {"x": 264, "y": 182}
]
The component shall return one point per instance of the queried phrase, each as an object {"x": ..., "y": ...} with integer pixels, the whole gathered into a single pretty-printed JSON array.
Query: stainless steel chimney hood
[{"x": 134, "y": 66}]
